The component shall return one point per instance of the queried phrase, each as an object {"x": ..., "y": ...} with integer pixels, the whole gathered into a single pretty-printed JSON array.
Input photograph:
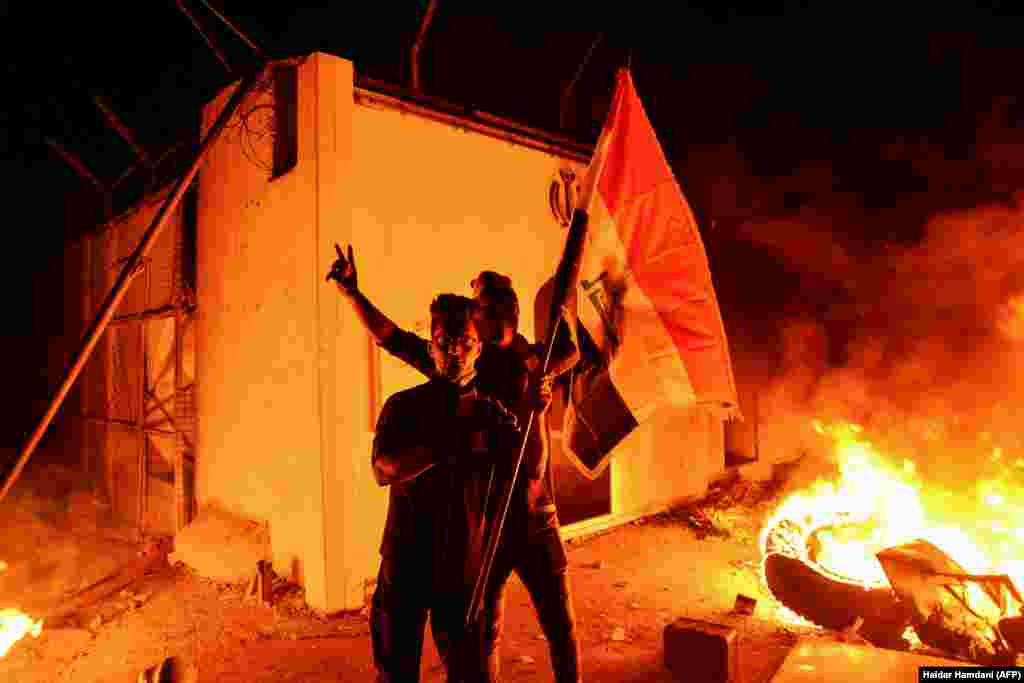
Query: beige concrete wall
[
  {"x": 289, "y": 384},
  {"x": 258, "y": 441},
  {"x": 669, "y": 459},
  {"x": 433, "y": 205},
  {"x": 353, "y": 504}
]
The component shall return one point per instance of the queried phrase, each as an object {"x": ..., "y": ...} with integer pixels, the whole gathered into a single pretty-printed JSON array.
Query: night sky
[
  {"x": 826, "y": 83},
  {"x": 855, "y": 116}
]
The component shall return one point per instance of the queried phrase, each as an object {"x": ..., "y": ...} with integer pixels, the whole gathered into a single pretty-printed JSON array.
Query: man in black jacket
[{"x": 438, "y": 446}]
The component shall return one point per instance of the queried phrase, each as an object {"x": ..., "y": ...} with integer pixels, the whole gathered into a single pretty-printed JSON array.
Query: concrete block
[
  {"x": 221, "y": 545},
  {"x": 701, "y": 652}
]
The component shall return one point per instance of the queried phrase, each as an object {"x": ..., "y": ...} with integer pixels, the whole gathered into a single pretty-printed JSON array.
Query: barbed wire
[{"x": 256, "y": 125}]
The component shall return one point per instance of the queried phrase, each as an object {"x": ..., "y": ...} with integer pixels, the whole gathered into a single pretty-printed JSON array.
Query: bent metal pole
[{"x": 129, "y": 271}]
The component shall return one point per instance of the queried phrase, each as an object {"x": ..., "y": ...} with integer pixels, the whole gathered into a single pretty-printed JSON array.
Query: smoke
[
  {"x": 921, "y": 343},
  {"x": 50, "y": 541}
]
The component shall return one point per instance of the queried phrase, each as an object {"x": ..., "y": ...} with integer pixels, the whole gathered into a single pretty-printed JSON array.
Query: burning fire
[
  {"x": 876, "y": 502},
  {"x": 1011, "y": 318},
  {"x": 14, "y": 625}
]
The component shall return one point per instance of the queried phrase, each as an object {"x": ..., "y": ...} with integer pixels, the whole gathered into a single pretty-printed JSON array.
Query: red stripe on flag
[
  {"x": 663, "y": 246},
  {"x": 633, "y": 140}
]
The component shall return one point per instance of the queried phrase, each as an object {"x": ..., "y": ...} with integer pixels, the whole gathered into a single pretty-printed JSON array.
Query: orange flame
[
  {"x": 875, "y": 503},
  {"x": 15, "y": 625},
  {"x": 1010, "y": 318}
]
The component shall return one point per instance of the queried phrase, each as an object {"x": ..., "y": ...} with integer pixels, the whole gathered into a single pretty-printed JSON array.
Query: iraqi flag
[{"x": 651, "y": 332}]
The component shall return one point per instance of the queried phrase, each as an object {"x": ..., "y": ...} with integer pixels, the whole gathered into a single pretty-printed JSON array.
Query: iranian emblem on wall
[{"x": 562, "y": 195}]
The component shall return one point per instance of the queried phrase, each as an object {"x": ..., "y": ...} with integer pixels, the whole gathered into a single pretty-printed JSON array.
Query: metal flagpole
[
  {"x": 565, "y": 277},
  {"x": 131, "y": 268},
  {"x": 476, "y": 601}
]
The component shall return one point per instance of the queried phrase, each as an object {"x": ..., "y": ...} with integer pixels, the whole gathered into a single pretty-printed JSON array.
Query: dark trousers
[
  {"x": 398, "y": 615},
  {"x": 466, "y": 653},
  {"x": 404, "y": 597},
  {"x": 538, "y": 558}
]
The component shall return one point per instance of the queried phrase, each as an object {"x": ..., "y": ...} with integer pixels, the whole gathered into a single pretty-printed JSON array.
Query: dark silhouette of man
[
  {"x": 437, "y": 446},
  {"x": 508, "y": 369}
]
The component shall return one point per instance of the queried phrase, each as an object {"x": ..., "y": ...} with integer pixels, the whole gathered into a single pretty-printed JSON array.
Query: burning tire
[
  {"x": 856, "y": 548},
  {"x": 826, "y": 599},
  {"x": 836, "y": 604}
]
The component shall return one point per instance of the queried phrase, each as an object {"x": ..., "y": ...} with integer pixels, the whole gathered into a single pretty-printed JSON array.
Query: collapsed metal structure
[
  {"x": 138, "y": 383},
  {"x": 134, "y": 266}
]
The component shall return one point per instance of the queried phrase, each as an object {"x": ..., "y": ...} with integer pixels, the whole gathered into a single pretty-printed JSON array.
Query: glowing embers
[
  {"x": 913, "y": 642},
  {"x": 15, "y": 625}
]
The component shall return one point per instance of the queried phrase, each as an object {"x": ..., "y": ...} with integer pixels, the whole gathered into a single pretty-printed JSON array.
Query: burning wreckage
[{"x": 859, "y": 555}]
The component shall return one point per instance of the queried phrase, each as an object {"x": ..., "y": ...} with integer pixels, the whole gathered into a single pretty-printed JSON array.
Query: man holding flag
[{"x": 653, "y": 329}]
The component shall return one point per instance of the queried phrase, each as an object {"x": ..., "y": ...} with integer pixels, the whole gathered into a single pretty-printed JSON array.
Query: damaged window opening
[
  {"x": 189, "y": 235},
  {"x": 286, "y": 120}
]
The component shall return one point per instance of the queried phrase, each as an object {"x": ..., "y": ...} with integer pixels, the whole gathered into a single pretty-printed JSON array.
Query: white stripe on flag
[{"x": 646, "y": 368}]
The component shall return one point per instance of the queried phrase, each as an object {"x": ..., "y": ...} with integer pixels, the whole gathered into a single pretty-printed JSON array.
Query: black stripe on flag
[{"x": 597, "y": 420}]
